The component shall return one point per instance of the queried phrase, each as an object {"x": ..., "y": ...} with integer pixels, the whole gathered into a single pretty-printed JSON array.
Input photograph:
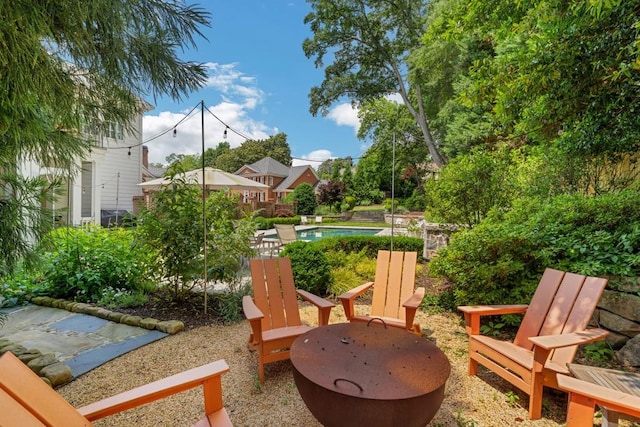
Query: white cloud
[
  {"x": 314, "y": 158},
  {"x": 345, "y": 115},
  {"x": 239, "y": 96}
]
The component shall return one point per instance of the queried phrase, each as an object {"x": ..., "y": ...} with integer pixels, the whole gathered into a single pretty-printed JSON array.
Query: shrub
[
  {"x": 502, "y": 259},
  {"x": 370, "y": 244},
  {"x": 305, "y": 197},
  {"x": 83, "y": 262},
  {"x": 174, "y": 225},
  {"x": 348, "y": 203},
  {"x": 311, "y": 269},
  {"x": 350, "y": 270}
]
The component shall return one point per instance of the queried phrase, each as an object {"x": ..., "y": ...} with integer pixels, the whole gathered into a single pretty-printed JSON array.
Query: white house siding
[
  {"x": 105, "y": 178},
  {"x": 121, "y": 173}
]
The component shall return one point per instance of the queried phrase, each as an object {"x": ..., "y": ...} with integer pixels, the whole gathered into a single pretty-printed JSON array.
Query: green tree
[
  {"x": 211, "y": 154},
  {"x": 538, "y": 73},
  {"x": 251, "y": 151},
  {"x": 347, "y": 176},
  {"x": 70, "y": 66},
  {"x": 174, "y": 226},
  {"x": 305, "y": 197},
  {"x": 369, "y": 42},
  {"x": 469, "y": 187}
]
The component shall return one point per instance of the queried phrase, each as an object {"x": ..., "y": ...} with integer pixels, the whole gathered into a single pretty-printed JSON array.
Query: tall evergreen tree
[{"x": 71, "y": 64}]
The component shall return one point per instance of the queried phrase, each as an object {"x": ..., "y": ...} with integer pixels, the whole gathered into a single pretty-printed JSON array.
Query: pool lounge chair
[{"x": 286, "y": 233}]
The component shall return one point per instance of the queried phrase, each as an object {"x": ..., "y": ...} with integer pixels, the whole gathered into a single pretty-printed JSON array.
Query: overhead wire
[{"x": 190, "y": 115}]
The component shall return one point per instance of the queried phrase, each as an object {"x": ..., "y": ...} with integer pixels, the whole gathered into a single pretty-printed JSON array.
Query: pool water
[{"x": 318, "y": 233}]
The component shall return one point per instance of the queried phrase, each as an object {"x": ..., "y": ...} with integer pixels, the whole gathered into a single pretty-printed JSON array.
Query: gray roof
[
  {"x": 294, "y": 173},
  {"x": 268, "y": 166}
]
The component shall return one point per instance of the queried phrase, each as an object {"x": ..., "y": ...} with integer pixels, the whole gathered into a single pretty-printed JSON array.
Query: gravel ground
[{"x": 485, "y": 400}]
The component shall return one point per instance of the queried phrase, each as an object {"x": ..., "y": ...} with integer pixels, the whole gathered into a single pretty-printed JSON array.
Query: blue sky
[{"x": 259, "y": 81}]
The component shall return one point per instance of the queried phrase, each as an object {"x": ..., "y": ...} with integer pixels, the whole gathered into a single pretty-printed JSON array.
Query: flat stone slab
[{"x": 81, "y": 341}]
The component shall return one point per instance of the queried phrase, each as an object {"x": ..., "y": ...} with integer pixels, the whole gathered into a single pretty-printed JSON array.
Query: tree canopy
[
  {"x": 369, "y": 43},
  {"x": 73, "y": 66}
]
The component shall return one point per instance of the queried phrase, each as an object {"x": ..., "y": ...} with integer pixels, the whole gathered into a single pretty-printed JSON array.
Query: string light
[
  {"x": 224, "y": 135},
  {"x": 129, "y": 153}
]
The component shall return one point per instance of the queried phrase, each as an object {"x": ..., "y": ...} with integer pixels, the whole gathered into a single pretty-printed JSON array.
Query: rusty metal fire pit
[{"x": 365, "y": 374}]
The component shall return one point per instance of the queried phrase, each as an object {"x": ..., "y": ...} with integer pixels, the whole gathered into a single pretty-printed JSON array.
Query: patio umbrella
[{"x": 213, "y": 179}]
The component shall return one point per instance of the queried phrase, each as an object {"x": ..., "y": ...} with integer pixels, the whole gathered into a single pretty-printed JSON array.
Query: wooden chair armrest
[
  {"x": 348, "y": 298},
  {"x": 324, "y": 306},
  {"x": 416, "y": 299},
  {"x": 207, "y": 375},
  {"x": 250, "y": 309},
  {"x": 550, "y": 342},
  {"x": 472, "y": 314},
  {"x": 314, "y": 299},
  {"x": 355, "y": 292},
  {"x": 493, "y": 310},
  {"x": 612, "y": 399}
]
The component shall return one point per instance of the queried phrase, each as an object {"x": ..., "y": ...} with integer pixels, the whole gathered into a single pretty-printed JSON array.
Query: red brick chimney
[{"x": 145, "y": 156}]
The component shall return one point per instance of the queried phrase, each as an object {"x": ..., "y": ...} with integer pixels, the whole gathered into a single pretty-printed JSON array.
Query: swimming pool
[{"x": 313, "y": 234}]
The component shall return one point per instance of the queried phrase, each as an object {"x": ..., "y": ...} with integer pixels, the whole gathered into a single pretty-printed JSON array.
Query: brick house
[{"x": 280, "y": 178}]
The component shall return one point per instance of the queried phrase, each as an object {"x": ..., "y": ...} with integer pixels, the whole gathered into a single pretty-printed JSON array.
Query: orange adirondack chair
[
  {"x": 26, "y": 400},
  {"x": 553, "y": 326},
  {"x": 394, "y": 299},
  {"x": 620, "y": 396},
  {"x": 273, "y": 311}
]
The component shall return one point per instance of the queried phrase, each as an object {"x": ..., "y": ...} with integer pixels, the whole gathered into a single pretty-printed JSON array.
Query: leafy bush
[
  {"x": 348, "y": 203},
  {"x": 501, "y": 260},
  {"x": 469, "y": 186},
  {"x": 305, "y": 197},
  {"x": 83, "y": 262},
  {"x": 370, "y": 244},
  {"x": 350, "y": 270},
  {"x": 174, "y": 225},
  {"x": 311, "y": 269},
  {"x": 417, "y": 201}
]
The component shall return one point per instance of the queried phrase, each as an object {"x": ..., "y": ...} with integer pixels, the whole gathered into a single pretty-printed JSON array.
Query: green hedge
[
  {"x": 502, "y": 259},
  {"x": 371, "y": 244},
  {"x": 322, "y": 267}
]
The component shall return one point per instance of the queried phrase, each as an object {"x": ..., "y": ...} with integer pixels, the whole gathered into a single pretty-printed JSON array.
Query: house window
[
  {"x": 271, "y": 181},
  {"x": 115, "y": 131}
]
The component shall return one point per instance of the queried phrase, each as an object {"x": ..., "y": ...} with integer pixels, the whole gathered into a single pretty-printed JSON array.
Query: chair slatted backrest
[
  {"x": 286, "y": 233},
  {"x": 274, "y": 292},
  {"x": 562, "y": 303},
  {"x": 394, "y": 283},
  {"x": 26, "y": 399}
]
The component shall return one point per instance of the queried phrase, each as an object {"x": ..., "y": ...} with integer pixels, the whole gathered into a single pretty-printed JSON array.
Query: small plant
[
  {"x": 598, "y": 353},
  {"x": 121, "y": 298},
  {"x": 463, "y": 422},
  {"x": 512, "y": 398},
  {"x": 492, "y": 328},
  {"x": 230, "y": 302}
]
